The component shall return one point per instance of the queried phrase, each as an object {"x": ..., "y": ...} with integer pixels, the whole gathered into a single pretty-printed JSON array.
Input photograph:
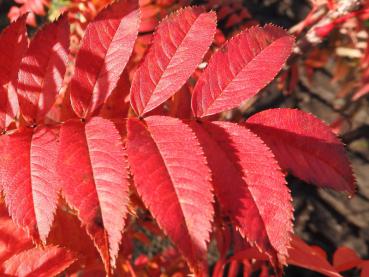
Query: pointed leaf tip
[
  {"x": 179, "y": 44},
  {"x": 306, "y": 147},
  {"x": 244, "y": 171},
  {"x": 303, "y": 255},
  {"x": 240, "y": 69},
  {"x": 13, "y": 44},
  {"x": 106, "y": 48},
  {"x": 49, "y": 261},
  {"x": 29, "y": 181},
  {"x": 42, "y": 70},
  {"x": 98, "y": 190},
  {"x": 171, "y": 176}
]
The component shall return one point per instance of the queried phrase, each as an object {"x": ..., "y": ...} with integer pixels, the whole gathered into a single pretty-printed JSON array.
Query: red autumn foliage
[{"x": 188, "y": 170}]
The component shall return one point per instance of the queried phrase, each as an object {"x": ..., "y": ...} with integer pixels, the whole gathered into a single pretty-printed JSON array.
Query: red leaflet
[
  {"x": 106, "y": 47},
  {"x": 49, "y": 261},
  {"x": 3, "y": 145},
  {"x": 68, "y": 232},
  {"x": 249, "y": 185},
  {"x": 18, "y": 258},
  {"x": 42, "y": 70},
  {"x": 245, "y": 65},
  {"x": 13, "y": 44},
  {"x": 171, "y": 175},
  {"x": 92, "y": 168},
  {"x": 29, "y": 181},
  {"x": 305, "y": 146},
  {"x": 12, "y": 239},
  {"x": 117, "y": 104},
  {"x": 364, "y": 269},
  {"x": 345, "y": 259},
  {"x": 302, "y": 255},
  {"x": 180, "y": 42}
]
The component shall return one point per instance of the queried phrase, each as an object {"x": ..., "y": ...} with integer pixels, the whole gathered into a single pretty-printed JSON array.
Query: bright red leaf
[
  {"x": 244, "y": 171},
  {"x": 12, "y": 239},
  {"x": 106, "y": 48},
  {"x": 302, "y": 255},
  {"x": 364, "y": 269},
  {"x": 92, "y": 169},
  {"x": 299, "y": 254},
  {"x": 29, "y": 181},
  {"x": 3, "y": 144},
  {"x": 345, "y": 259},
  {"x": 46, "y": 262},
  {"x": 18, "y": 257},
  {"x": 179, "y": 44},
  {"x": 13, "y": 44},
  {"x": 171, "y": 176},
  {"x": 68, "y": 232},
  {"x": 305, "y": 146},
  {"x": 79, "y": 147},
  {"x": 239, "y": 70},
  {"x": 42, "y": 70}
]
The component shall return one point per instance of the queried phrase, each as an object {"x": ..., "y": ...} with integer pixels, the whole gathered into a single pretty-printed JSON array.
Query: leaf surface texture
[
  {"x": 240, "y": 69},
  {"x": 13, "y": 44},
  {"x": 249, "y": 185},
  {"x": 179, "y": 44},
  {"x": 171, "y": 176},
  {"x": 106, "y": 48},
  {"x": 42, "y": 70},
  {"x": 46, "y": 262},
  {"x": 305, "y": 146},
  {"x": 92, "y": 167},
  {"x": 29, "y": 180}
]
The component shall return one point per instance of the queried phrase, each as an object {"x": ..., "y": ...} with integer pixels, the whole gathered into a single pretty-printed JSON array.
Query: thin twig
[{"x": 312, "y": 37}]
